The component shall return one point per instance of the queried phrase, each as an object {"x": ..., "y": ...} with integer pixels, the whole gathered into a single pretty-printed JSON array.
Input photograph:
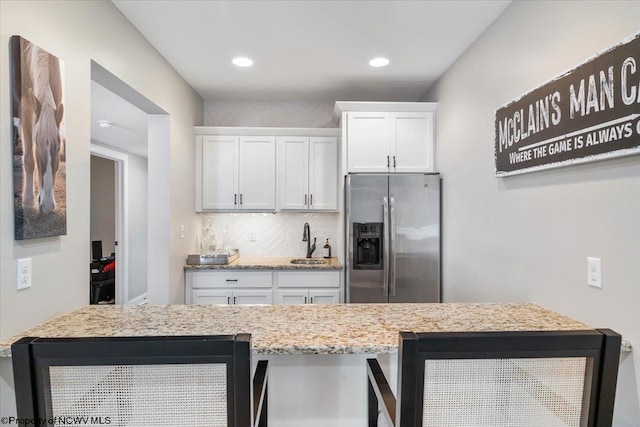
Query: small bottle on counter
[{"x": 326, "y": 250}]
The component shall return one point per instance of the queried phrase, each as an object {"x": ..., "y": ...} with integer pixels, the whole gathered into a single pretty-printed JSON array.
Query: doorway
[
  {"x": 149, "y": 211},
  {"x": 104, "y": 239}
]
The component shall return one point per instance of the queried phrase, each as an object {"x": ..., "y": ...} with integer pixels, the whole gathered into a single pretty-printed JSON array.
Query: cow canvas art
[{"x": 39, "y": 145}]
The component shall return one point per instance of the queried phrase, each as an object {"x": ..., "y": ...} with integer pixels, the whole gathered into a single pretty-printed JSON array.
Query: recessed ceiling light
[
  {"x": 242, "y": 61},
  {"x": 379, "y": 62},
  {"x": 105, "y": 124}
]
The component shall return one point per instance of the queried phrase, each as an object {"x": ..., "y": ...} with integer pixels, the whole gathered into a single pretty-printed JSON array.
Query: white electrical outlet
[
  {"x": 182, "y": 231},
  {"x": 594, "y": 272},
  {"x": 23, "y": 273}
]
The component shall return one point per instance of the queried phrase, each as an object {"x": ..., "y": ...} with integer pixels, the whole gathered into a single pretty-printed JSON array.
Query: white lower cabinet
[
  {"x": 308, "y": 287},
  {"x": 302, "y": 296},
  {"x": 229, "y": 287},
  {"x": 223, "y": 296},
  {"x": 262, "y": 287}
]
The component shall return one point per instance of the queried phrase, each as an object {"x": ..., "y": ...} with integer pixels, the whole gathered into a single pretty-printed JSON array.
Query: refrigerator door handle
[
  {"x": 392, "y": 235},
  {"x": 385, "y": 251}
]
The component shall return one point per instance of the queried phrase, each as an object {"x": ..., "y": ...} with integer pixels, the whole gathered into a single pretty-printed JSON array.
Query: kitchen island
[{"x": 316, "y": 353}]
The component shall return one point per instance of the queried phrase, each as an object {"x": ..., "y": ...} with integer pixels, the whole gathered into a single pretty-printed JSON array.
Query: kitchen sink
[{"x": 307, "y": 261}]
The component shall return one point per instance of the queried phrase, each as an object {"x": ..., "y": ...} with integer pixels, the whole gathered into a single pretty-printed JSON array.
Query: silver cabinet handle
[
  {"x": 385, "y": 241},
  {"x": 394, "y": 161},
  {"x": 311, "y": 300},
  {"x": 305, "y": 300},
  {"x": 311, "y": 200},
  {"x": 231, "y": 280},
  {"x": 228, "y": 300},
  {"x": 234, "y": 300},
  {"x": 387, "y": 161},
  {"x": 235, "y": 199},
  {"x": 392, "y": 233},
  {"x": 240, "y": 198},
  {"x": 305, "y": 200}
]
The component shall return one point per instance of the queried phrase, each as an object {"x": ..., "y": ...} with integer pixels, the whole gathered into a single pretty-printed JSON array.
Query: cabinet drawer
[
  {"x": 231, "y": 278},
  {"x": 309, "y": 279}
]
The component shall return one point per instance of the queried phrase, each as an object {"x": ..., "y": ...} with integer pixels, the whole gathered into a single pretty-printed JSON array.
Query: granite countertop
[
  {"x": 302, "y": 329},
  {"x": 269, "y": 263}
]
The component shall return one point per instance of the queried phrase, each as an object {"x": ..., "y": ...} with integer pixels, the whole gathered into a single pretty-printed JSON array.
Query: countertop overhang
[
  {"x": 269, "y": 263},
  {"x": 302, "y": 329}
]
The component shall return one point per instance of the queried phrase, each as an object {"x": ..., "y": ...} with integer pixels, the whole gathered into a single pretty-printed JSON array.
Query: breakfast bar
[
  {"x": 317, "y": 353},
  {"x": 301, "y": 329}
]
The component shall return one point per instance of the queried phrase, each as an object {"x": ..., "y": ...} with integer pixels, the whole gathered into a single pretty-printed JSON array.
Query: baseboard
[{"x": 139, "y": 300}]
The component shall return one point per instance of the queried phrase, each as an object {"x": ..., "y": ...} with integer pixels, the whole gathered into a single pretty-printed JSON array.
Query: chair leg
[
  {"x": 265, "y": 406},
  {"x": 372, "y": 406}
]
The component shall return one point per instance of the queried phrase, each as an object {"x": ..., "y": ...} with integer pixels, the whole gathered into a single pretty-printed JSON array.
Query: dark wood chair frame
[
  {"x": 32, "y": 356},
  {"x": 601, "y": 347}
]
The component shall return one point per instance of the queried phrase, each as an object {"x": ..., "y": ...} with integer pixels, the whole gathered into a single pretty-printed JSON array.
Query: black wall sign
[{"x": 589, "y": 113}]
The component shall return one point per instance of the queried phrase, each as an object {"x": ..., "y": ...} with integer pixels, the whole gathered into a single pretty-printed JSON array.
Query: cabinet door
[
  {"x": 368, "y": 148},
  {"x": 251, "y": 296},
  {"x": 219, "y": 172},
  {"x": 292, "y": 296},
  {"x": 412, "y": 142},
  {"x": 324, "y": 296},
  {"x": 293, "y": 173},
  {"x": 207, "y": 296},
  {"x": 257, "y": 185},
  {"x": 323, "y": 173}
]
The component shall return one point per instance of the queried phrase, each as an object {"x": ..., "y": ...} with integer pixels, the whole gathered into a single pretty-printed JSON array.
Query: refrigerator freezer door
[
  {"x": 415, "y": 241},
  {"x": 365, "y": 201}
]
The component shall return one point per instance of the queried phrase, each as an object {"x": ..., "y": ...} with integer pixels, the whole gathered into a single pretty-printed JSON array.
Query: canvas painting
[{"x": 39, "y": 167}]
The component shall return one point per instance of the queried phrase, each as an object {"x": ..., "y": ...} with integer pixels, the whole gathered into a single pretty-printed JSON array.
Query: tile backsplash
[{"x": 278, "y": 234}]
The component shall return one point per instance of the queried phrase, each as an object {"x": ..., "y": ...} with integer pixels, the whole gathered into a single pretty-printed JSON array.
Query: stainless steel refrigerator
[{"x": 393, "y": 238}]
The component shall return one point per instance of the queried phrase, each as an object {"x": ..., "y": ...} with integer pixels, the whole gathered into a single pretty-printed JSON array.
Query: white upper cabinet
[
  {"x": 236, "y": 173},
  {"x": 308, "y": 173},
  {"x": 388, "y": 137},
  {"x": 236, "y": 169},
  {"x": 257, "y": 184},
  {"x": 323, "y": 173},
  {"x": 368, "y": 142},
  {"x": 219, "y": 168},
  {"x": 293, "y": 169},
  {"x": 412, "y": 142}
]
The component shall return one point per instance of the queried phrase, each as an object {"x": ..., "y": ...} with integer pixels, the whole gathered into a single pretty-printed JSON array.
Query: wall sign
[
  {"x": 589, "y": 113},
  {"x": 39, "y": 175}
]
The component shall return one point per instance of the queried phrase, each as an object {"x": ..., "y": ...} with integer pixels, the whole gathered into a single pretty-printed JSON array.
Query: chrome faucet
[{"x": 306, "y": 237}]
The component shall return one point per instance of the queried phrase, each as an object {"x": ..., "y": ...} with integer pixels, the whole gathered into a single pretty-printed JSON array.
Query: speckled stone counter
[
  {"x": 301, "y": 329},
  {"x": 269, "y": 263}
]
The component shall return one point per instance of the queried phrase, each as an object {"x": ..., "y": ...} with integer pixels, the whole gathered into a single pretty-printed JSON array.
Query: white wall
[
  {"x": 527, "y": 237},
  {"x": 78, "y": 32},
  {"x": 103, "y": 203},
  {"x": 138, "y": 225}
]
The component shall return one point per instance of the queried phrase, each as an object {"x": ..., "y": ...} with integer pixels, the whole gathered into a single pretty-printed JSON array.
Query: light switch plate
[
  {"x": 594, "y": 272},
  {"x": 23, "y": 273}
]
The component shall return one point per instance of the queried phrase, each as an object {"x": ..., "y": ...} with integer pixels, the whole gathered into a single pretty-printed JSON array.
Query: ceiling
[
  {"x": 130, "y": 124},
  {"x": 311, "y": 50}
]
